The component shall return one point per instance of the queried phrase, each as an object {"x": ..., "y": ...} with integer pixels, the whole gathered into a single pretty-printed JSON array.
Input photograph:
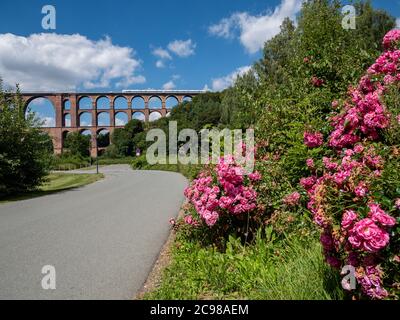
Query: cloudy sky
[{"x": 116, "y": 45}]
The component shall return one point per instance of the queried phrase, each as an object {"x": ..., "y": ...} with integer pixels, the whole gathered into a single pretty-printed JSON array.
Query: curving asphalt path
[{"x": 102, "y": 238}]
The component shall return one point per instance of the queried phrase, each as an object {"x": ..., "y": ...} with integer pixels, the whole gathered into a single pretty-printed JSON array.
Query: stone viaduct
[{"x": 68, "y": 106}]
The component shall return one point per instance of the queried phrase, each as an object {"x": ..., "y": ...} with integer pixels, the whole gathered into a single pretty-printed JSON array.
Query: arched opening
[
  {"x": 187, "y": 99},
  {"x": 67, "y": 105},
  {"x": 171, "y": 102},
  {"x": 85, "y": 103},
  {"x": 138, "y": 116},
  {"x": 85, "y": 119},
  {"x": 138, "y": 103},
  {"x": 120, "y": 103},
  {"x": 103, "y": 119},
  {"x": 67, "y": 120},
  {"x": 121, "y": 119},
  {"x": 103, "y": 103},
  {"x": 154, "y": 116},
  {"x": 86, "y": 132},
  {"x": 103, "y": 138},
  {"x": 43, "y": 111},
  {"x": 64, "y": 138},
  {"x": 155, "y": 103}
]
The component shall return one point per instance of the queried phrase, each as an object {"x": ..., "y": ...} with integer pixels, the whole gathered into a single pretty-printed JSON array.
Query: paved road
[{"x": 102, "y": 239}]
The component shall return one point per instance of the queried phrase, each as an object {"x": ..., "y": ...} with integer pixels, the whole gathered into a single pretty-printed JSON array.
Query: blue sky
[{"x": 121, "y": 44}]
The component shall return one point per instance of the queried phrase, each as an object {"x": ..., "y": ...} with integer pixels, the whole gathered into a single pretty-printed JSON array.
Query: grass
[
  {"x": 291, "y": 269},
  {"x": 56, "y": 182}
]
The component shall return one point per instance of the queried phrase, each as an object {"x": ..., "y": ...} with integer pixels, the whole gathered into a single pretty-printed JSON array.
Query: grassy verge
[
  {"x": 189, "y": 171},
  {"x": 268, "y": 269},
  {"x": 56, "y": 182}
]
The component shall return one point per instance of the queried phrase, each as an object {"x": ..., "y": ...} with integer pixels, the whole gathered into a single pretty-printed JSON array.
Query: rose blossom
[
  {"x": 292, "y": 199},
  {"x": 255, "y": 176},
  {"x": 349, "y": 216},
  {"x": 368, "y": 236},
  {"x": 310, "y": 163},
  {"x": 361, "y": 190},
  {"x": 380, "y": 216},
  {"x": 313, "y": 140},
  {"x": 397, "y": 203}
]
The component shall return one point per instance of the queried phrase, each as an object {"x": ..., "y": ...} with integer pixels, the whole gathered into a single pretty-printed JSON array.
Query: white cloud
[
  {"x": 48, "y": 122},
  {"x": 206, "y": 88},
  {"x": 162, "y": 53},
  {"x": 182, "y": 48},
  {"x": 50, "y": 61},
  {"x": 160, "y": 64},
  {"x": 154, "y": 116},
  {"x": 169, "y": 85},
  {"x": 254, "y": 31},
  {"x": 222, "y": 83},
  {"x": 119, "y": 122}
]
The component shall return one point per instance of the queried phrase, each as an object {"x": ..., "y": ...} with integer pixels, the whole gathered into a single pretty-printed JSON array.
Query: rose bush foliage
[{"x": 354, "y": 188}]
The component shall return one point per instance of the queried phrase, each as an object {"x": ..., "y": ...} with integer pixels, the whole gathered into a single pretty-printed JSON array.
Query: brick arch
[
  {"x": 121, "y": 97},
  {"x": 155, "y": 97},
  {"x": 78, "y": 102},
  {"x": 171, "y": 97},
  {"x": 100, "y": 113},
  {"x": 96, "y": 101},
  {"x": 139, "y": 97},
  {"x": 139, "y": 113},
  {"x": 28, "y": 100},
  {"x": 64, "y": 122}
]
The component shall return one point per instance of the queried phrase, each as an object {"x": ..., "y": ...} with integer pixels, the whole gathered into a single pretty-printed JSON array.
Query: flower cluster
[
  {"x": 317, "y": 82},
  {"x": 313, "y": 139},
  {"x": 359, "y": 233},
  {"x": 228, "y": 190},
  {"x": 292, "y": 199},
  {"x": 364, "y": 113}
]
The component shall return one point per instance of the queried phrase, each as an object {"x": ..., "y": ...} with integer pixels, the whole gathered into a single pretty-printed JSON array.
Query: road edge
[{"x": 163, "y": 260}]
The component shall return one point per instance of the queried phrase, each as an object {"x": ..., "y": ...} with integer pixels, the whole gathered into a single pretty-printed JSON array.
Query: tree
[
  {"x": 77, "y": 144},
  {"x": 25, "y": 151},
  {"x": 123, "y": 139}
]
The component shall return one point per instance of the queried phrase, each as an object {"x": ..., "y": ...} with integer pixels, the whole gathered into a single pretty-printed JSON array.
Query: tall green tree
[{"x": 25, "y": 151}]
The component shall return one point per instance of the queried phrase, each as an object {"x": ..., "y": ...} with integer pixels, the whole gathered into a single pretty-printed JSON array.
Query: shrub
[{"x": 354, "y": 188}]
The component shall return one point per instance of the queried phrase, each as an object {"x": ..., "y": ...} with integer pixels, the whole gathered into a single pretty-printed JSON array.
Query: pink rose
[
  {"x": 310, "y": 163},
  {"x": 368, "y": 236},
  {"x": 397, "y": 203},
  {"x": 313, "y": 140},
  {"x": 361, "y": 190},
  {"x": 380, "y": 216},
  {"x": 255, "y": 176},
  {"x": 292, "y": 199},
  {"x": 349, "y": 216}
]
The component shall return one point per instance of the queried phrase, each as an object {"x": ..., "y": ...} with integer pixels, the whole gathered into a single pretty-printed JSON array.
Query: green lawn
[{"x": 56, "y": 182}]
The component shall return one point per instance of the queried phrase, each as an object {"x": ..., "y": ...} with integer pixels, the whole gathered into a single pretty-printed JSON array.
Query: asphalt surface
[{"x": 102, "y": 239}]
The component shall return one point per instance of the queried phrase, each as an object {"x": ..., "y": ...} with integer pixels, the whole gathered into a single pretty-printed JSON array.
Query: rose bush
[
  {"x": 354, "y": 187},
  {"x": 223, "y": 200}
]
